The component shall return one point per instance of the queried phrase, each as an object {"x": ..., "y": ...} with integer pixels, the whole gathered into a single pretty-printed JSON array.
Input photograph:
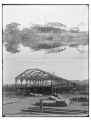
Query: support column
[
  {"x": 30, "y": 82},
  {"x": 21, "y": 83},
  {"x": 26, "y": 82},
  {"x": 52, "y": 86},
  {"x": 33, "y": 82},
  {"x": 38, "y": 82},
  {"x": 15, "y": 85},
  {"x": 43, "y": 87}
]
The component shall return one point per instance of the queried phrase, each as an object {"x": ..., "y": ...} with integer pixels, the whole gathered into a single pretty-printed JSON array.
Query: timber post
[{"x": 41, "y": 105}]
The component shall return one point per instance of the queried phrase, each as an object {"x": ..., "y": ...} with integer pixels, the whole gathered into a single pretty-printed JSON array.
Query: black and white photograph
[{"x": 45, "y": 50}]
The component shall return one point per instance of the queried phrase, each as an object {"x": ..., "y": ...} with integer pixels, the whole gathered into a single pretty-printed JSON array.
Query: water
[{"x": 71, "y": 64}]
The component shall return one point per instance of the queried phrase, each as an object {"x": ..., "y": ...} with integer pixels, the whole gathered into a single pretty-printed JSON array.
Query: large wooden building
[
  {"x": 56, "y": 25},
  {"x": 39, "y": 81}
]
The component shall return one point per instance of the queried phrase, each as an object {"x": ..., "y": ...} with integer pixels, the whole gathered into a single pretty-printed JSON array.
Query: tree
[
  {"x": 25, "y": 37},
  {"x": 11, "y": 36}
]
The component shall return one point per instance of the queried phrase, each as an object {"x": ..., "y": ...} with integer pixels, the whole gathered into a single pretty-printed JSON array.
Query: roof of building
[
  {"x": 37, "y": 74},
  {"x": 56, "y": 23},
  {"x": 74, "y": 28}
]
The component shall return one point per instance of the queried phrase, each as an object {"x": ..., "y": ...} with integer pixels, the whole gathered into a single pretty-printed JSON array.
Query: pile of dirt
[{"x": 55, "y": 101}]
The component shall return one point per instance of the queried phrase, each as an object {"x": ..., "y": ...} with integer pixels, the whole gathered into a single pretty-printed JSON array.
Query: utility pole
[
  {"x": 52, "y": 82},
  {"x": 41, "y": 105}
]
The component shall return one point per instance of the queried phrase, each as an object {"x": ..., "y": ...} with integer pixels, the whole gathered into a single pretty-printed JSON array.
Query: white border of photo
[{"x": 43, "y": 2}]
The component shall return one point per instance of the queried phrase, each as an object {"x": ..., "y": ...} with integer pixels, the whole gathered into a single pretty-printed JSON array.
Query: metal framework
[{"x": 37, "y": 77}]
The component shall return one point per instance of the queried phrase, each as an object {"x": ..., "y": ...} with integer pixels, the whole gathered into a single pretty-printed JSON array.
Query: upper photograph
[{"x": 45, "y": 60}]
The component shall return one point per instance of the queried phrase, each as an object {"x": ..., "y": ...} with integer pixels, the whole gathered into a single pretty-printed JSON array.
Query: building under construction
[{"x": 41, "y": 82}]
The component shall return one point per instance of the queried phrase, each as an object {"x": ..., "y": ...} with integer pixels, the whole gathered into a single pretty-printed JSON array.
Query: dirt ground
[{"x": 24, "y": 106}]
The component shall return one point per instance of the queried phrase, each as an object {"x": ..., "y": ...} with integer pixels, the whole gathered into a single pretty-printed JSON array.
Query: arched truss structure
[{"x": 37, "y": 77}]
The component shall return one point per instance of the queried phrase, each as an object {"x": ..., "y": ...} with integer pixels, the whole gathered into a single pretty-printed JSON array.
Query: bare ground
[{"x": 24, "y": 106}]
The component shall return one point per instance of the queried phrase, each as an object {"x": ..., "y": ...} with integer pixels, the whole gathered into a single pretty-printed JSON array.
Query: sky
[
  {"x": 70, "y": 15},
  {"x": 69, "y": 64}
]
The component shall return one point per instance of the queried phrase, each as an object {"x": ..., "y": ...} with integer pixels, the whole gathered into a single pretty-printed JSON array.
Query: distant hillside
[{"x": 83, "y": 82}]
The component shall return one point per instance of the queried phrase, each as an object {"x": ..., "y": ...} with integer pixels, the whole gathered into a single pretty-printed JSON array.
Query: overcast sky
[
  {"x": 70, "y": 15},
  {"x": 69, "y": 64}
]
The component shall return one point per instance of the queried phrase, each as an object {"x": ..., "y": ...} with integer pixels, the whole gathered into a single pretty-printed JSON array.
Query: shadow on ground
[{"x": 52, "y": 110}]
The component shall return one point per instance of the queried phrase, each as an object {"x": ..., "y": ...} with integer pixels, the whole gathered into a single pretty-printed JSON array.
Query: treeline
[
  {"x": 9, "y": 88},
  {"x": 39, "y": 38}
]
